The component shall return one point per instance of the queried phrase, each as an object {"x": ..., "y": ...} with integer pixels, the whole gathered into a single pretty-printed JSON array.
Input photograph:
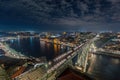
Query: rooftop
[{"x": 71, "y": 74}]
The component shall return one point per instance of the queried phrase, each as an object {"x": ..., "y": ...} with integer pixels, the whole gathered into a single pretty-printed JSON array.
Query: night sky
[{"x": 55, "y": 15}]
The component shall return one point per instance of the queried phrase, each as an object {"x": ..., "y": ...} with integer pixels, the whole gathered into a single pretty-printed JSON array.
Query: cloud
[
  {"x": 114, "y": 1},
  {"x": 61, "y": 12}
]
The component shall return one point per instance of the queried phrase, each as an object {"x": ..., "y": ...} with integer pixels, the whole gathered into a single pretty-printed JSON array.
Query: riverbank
[{"x": 11, "y": 52}]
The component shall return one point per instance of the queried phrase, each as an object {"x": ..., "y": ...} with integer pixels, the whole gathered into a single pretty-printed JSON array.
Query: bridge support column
[{"x": 83, "y": 57}]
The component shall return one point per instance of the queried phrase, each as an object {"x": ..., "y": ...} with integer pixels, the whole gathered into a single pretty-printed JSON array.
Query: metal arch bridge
[
  {"x": 60, "y": 63},
  {"x": 65, "y": 60}
]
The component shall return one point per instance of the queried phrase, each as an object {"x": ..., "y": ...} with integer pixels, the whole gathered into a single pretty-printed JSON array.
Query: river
[
  {"x": 104, "y": 67},
  {"x": 32, "y": 46}
]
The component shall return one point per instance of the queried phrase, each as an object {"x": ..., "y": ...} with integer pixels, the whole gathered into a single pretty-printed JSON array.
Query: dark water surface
[
  {"x": 34, "y": 47},
  {"x": 104, "y": 67}
]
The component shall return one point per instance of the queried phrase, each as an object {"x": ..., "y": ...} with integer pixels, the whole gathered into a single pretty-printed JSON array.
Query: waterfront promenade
[{"x": 11, "y": 52}]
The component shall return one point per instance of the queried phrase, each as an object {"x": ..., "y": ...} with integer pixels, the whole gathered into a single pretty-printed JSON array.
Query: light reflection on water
[
  {"x": 104, "y": 67},
  {"x": 34, "y": 47}
]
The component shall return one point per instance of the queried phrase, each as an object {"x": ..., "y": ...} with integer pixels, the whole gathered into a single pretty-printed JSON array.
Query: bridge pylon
[{"x": 82, "y": 61}]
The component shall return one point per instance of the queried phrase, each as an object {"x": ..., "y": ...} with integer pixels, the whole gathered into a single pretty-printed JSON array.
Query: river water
[
  {"x": 104, "y": 67},
  {"x": 101, "y": 67},
  {"x": 34, "y": 47}
]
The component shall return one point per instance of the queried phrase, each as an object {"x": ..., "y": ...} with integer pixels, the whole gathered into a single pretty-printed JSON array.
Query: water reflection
[
  {"x": 18, "y": 40},
  {"x": 55, "y": 48},
  {"x": 31, "y": 41},
  {"x": 104, "y": 67},
  {"x": 42, "y": 45},
  {"x": 34, "y": 47}
]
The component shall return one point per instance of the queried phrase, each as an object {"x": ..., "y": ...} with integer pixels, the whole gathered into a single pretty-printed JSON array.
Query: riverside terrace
[{"x": 113, "y": 44}]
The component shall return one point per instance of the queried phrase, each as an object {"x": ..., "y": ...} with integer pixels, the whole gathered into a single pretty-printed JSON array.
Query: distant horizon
[
  {"x": 56, "y": 31},
  {"x": 60, "y": 28}
]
